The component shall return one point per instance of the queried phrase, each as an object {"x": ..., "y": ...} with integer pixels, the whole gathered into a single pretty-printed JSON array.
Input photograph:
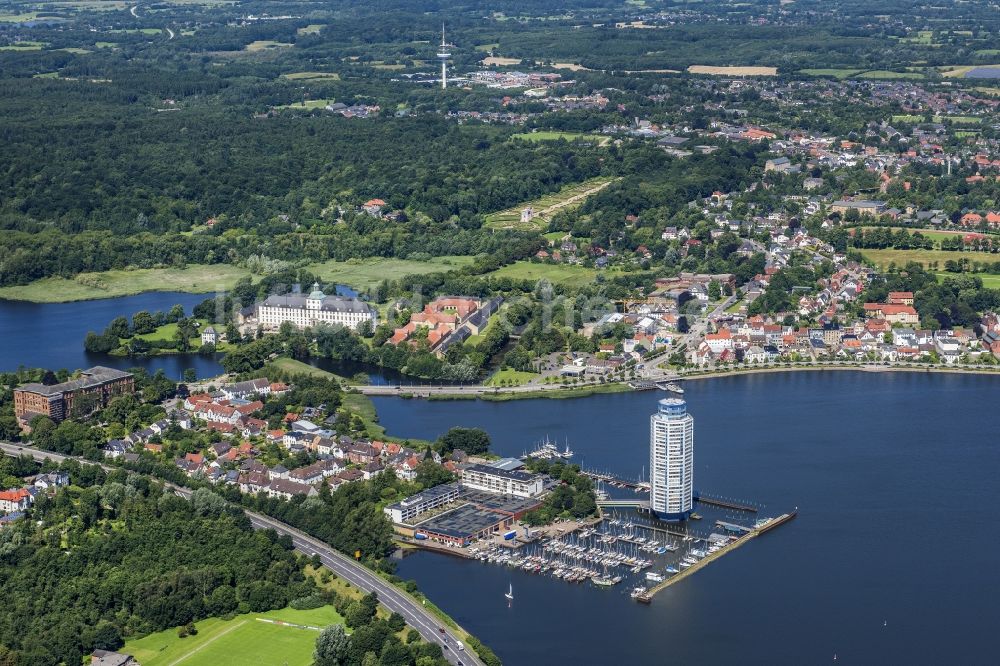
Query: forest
[{"x": 128, "y": 559}]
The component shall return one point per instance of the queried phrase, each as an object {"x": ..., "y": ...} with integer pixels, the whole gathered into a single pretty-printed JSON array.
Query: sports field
[
  {"x": 545, "y": 206},
  {"x": 285, "y": 636}
]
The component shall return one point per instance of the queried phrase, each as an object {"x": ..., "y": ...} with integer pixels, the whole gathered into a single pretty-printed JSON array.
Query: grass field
[
  {"x": 990, "y": 280},
  {"x": 24, "y": 46},
  {"x": 555, "y": 136},
  {"x": 488, "y": 47},
  {"x": 554, "y": 273},
  {"x": 290, "y": 365},
  {"x": 202, "y": 279},
  {"x": 167, "y": 332},
  {"x": 311, "y": 29},
  {"x": 196, "y": 279},
  {"x": 564, "y": 199},
  {"x": 886, "y": 74},
  {"x": 510, "y": 378},
  {"x": 307, "y": 105},
  {"x": 923, "y": 37},
  {"x": 733, "y": 71},
  {"x": 835, "y": 73},
  {"x": 312, "y": 76},
  {"x": 265, "y": 45},
  {"x": 246, "y": 639},
  {"x": 366, "y": 273},
  {"x": 882, "y": 258},
  {"x": 930, "y": 233},
  {"x": 12, "y": 17}
]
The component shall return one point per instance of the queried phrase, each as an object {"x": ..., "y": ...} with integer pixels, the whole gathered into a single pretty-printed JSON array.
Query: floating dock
[
  {"x": 725, "y": 504},
  {"x": 763, "y": 527}
]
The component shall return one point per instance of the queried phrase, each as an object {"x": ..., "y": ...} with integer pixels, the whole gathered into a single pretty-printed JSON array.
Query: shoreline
[{"x": 618, "y": 387}]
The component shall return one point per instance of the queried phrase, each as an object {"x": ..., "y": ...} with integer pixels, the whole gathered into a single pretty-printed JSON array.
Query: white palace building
[{"x": 316, "y": 308}]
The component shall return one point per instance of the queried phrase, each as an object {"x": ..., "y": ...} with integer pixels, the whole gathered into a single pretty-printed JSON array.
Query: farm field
[
  {"x": 17, "y": 17},
  {"x": 836, "y": 73},
  {"x": 24, "y": 46},
  {"x": 886, "y": 74},
  {"x": 733, "y": 71},
  {"x": 555, "y": 273},
  {"x": 882, "y": 258},
  {"x": 195, "y": 279},
  {"x": 255, "y": 638},
  {"x": 570, "y": 195},
  {"x": 971, "y": 71},
  {"x": 497, "y": 61},
  {"x": 265, "y": 45},
  {"x": 311, "y": 76},
  {"x": 366, "y": 273}
]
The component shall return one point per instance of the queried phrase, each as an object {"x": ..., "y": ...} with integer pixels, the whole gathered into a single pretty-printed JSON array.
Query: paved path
[{"x": 389, "y": 596}]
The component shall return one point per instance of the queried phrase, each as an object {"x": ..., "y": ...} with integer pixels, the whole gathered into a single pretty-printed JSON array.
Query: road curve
[{"x": 389, "y": 596}]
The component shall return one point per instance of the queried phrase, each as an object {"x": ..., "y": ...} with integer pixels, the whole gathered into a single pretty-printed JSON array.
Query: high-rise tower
[
  {"x": 671, "y": 460},
  {"x": 443, "y": 55}
]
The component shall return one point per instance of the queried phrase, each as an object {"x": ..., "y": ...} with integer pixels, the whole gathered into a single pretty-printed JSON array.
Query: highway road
[{"x": 429, "y": 627}]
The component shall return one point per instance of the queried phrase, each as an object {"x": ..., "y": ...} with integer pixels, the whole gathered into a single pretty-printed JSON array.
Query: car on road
[{"x": 441, "y": 629}]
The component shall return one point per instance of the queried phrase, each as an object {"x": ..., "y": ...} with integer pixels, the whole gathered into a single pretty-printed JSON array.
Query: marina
[
  {"x": 626, "y": 549},
  {"x": 838, "y": 556}
]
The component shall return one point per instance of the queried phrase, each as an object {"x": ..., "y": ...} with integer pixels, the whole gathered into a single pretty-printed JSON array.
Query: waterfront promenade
[{"x": 539, "y": 390}]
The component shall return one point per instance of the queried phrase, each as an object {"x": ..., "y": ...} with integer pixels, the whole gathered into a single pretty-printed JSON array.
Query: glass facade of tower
[{"x": 671, "y": 460}]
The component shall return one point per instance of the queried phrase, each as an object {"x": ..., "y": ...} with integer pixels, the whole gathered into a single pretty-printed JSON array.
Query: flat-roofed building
[
  {"x": 403, "y": 512},
  {"x": 502, "y": 481},
  {"x": 93, "y": 390}
]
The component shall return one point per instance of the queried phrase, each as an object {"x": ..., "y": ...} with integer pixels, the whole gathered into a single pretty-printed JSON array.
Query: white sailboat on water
[{"x": 510, "y": 593}]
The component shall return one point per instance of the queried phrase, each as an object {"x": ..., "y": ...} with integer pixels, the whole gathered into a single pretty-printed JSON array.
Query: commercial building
[
  {"x": 502, "y": 481},
  {"x": 316, "y": 308},
  {"x": 863, "y": 207},
  {"x": 671, "y": 460},
  {"x": 78, "y": 397},
  {"x": 403, "y": 512}
]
